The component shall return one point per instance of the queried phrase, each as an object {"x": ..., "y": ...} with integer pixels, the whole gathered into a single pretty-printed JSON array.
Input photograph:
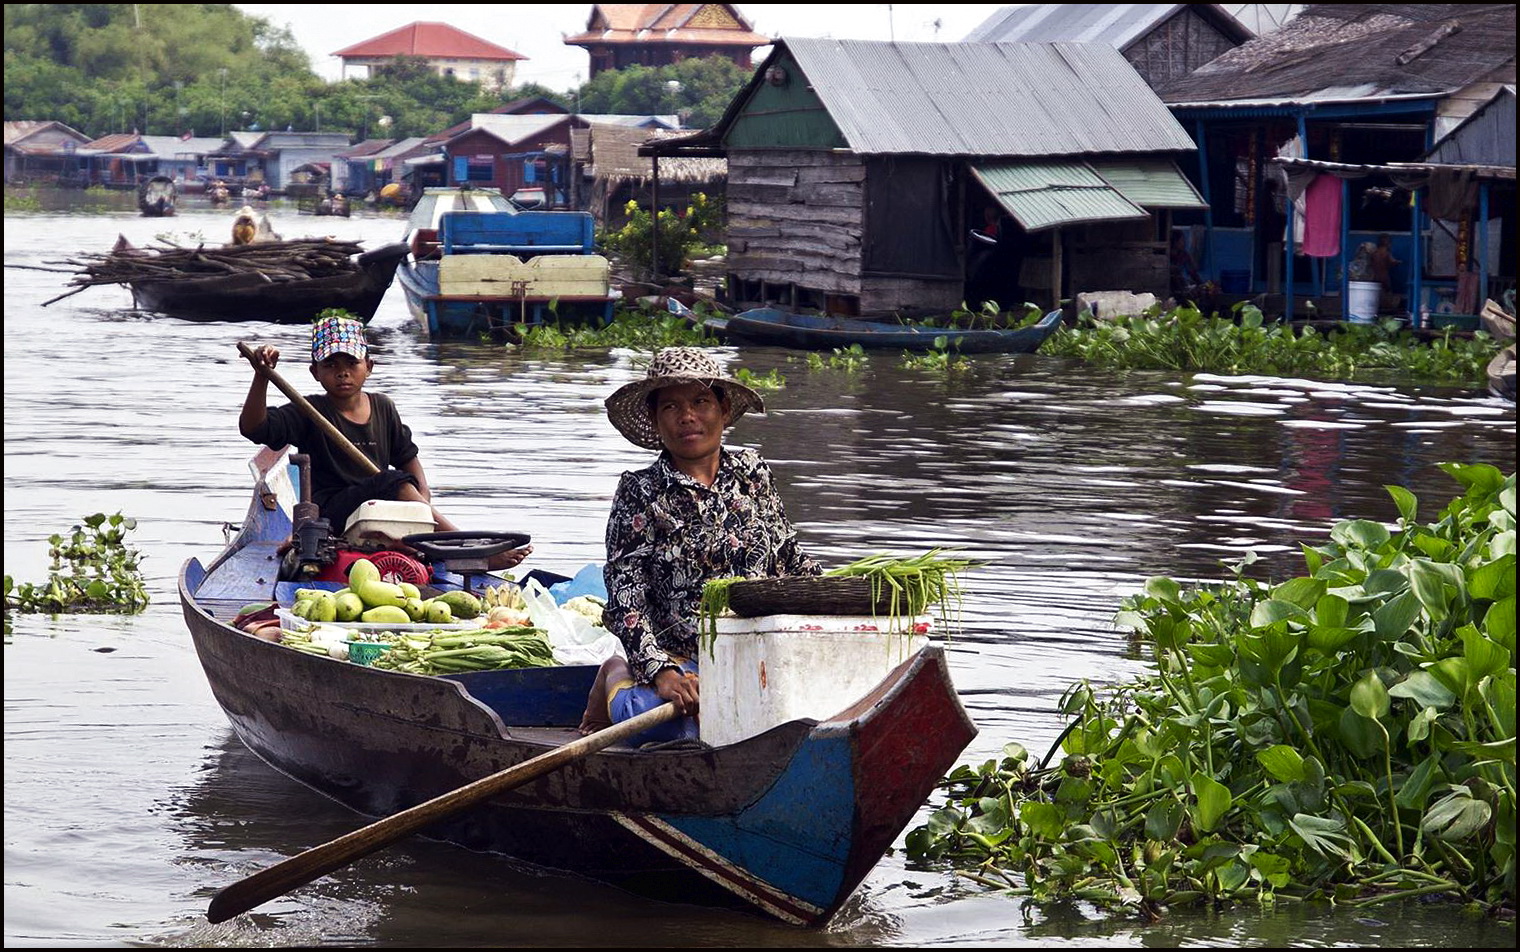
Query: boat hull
[
  {"x": 788, "y": 822},
  {"x": 450, "y": 316},
  {"x": 253, "y": 297},
  {"x": 818, "y": 332}
]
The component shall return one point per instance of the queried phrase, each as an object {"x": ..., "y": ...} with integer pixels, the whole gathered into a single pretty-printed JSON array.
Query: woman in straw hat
[{"x": 699, "y": 512}]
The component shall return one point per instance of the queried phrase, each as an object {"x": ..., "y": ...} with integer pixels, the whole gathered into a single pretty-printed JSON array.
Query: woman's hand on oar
[{"x": 302, "y": 868}]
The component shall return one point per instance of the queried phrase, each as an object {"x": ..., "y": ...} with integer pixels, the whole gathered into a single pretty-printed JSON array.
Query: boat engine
[{"x": 316, "y": 554}]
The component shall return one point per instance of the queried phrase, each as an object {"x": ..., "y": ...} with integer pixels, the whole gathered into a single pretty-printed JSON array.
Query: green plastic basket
[{"x": 365, "y": 652}]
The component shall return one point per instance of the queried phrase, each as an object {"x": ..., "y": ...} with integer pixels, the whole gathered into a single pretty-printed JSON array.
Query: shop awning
[{"x": 1041, "y": 195}]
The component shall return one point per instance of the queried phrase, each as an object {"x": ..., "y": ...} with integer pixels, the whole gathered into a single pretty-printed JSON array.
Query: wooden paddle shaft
[
  {"x": 304, "y": 867},
  {"x": 333, "y": 433}
]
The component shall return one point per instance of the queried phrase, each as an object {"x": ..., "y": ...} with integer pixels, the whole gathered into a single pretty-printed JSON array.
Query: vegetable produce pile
[
  {"x": 370, "y": 599},
  {"x": 480, "y": 649}
]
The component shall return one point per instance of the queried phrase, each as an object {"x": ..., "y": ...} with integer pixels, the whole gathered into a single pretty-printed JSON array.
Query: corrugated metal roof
[
  {"x": 1360, "y": 51},
  {"x": 513, "y": 129},
  {"x": 1117, "y": 24},
  {"x": 1042, "y": 195},
  {"x": 1149, "y": 183},
  {"x": 986, "y": 99}
]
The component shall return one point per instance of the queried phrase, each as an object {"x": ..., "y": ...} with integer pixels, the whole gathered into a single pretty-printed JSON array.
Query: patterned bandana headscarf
[{"x": 337, "y": 335}]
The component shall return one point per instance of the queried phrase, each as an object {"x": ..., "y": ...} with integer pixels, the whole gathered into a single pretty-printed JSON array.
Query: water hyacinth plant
[
  {"x": 93, "y": 571},
  {"x": 1346, "y": 735},
  {"x": 1183, "y": 339}
]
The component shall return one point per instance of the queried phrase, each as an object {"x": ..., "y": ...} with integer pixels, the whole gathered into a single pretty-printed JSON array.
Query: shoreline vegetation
[
  {"x": 1345, "y": 736},
  {"x": 1181, "y": 339}
]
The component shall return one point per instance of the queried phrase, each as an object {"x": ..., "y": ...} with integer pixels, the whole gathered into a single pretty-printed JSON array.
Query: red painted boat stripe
[{"x": 720, "y": 870}]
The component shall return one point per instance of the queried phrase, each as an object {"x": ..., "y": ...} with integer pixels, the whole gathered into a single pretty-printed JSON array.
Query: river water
[{"x": 128, "y": 802}]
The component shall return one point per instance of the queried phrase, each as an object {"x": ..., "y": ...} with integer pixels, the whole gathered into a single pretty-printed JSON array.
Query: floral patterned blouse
[{"x": 668, "y": 535}]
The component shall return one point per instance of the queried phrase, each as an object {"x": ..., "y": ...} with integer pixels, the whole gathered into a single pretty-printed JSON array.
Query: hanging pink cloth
[{"x": 1322, "y": 217}]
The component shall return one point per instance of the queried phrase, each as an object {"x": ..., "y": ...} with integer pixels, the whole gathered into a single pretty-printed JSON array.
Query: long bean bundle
[
  {"x": 484, "y": 649},
  {"x": 909, "y": 586}
]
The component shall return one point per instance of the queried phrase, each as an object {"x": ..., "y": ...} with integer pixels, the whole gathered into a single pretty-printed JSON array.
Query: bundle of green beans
[
  {"x": 911, "y": 585},
  {"x": 476, "y": 649}
]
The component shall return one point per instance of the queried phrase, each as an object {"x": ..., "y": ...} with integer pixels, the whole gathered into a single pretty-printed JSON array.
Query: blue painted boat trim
[{"x": 796, "y": 838}]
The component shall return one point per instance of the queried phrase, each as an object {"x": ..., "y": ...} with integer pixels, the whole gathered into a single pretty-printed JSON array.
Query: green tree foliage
[
  {"x": 167, "y": 69},
  {"x": 697, "y": 90}
]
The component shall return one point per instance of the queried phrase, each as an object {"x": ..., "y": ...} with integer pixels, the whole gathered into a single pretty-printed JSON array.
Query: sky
[{"x": 538, "y": 31}]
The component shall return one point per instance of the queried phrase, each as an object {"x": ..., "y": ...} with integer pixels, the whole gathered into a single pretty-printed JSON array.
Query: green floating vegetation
[
  {"x": 637, "y": 327},
  {"x": 1347, "y": 735},
  {"x": 1183, "y": 339},
  {"x": 93, "y": 571}
]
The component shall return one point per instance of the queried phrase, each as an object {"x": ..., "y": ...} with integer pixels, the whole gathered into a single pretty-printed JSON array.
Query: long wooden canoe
[
  {"x": 787, "y": 822},
  {"x": 767, "y": 325}
]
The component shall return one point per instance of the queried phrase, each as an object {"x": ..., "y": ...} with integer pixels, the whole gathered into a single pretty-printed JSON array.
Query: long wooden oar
[
  {"x": 333, "y": 433},
  {"x": 304, "y": 867}
]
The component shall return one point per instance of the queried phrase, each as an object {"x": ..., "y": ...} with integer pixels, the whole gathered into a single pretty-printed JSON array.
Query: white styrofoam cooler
[
  {"x": 394, "y": 518},
  {"x": 760, "y": 672}
]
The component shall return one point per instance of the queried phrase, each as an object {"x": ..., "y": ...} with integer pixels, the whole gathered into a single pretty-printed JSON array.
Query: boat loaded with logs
[{"x": 285, "y": 282}]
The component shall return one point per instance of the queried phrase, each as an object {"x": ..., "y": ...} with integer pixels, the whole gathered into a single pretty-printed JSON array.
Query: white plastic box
[
  {"x": 760, "y": 672},
  {"x": 393, "y": 518}
]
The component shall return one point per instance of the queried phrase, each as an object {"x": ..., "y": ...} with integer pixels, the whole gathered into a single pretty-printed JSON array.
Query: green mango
[
  {"x": 376, "y": 593},
  {"x": 324, "y": 607},
  {"x": 350, "y": 606},
  {"x": 386, "y": 615},
  {"x": 363, "y": 570},
  {"x": 415, "y": 608},
  {"x": 462, "y": 604},
  {"x": 438, "y": 612}
]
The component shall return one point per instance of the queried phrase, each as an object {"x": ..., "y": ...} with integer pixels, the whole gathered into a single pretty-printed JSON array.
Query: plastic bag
[
  {"x": 573, "y": 636},
  {"x": 588, "y": 581}
]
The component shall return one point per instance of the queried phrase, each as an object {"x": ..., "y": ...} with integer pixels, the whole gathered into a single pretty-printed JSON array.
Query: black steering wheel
[{"x": 465, "y": 545}]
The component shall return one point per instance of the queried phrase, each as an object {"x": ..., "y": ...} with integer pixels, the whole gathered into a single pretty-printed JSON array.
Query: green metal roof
[
  {"x": 1042, "y": 195},
  {"x": 1149, "y": 182}
]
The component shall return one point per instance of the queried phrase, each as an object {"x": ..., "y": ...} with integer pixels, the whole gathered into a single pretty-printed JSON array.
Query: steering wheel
[{"x": 465, "y": 545}]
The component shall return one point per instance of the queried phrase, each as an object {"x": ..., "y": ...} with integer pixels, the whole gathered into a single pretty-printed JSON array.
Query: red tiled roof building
[
  {"x": 658, "y": 34},
  {"x": 450, "y": 51}
]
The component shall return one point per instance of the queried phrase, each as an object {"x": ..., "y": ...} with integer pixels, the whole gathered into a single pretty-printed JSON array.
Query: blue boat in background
[
  {"x": 768, "y": 325},
  {"x": 478, "y": 265}
]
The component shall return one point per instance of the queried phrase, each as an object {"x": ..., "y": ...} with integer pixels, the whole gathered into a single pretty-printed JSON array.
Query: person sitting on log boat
[
  {"x": 341, "y": 363},
  {"x": 699, "y": 512},
  {"x": 245, "y": 227}
]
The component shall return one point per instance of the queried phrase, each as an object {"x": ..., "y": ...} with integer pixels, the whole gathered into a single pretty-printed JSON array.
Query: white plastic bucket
[
  {"x": 760, "y": 672},
  {"x": 1362, "y": 301}
]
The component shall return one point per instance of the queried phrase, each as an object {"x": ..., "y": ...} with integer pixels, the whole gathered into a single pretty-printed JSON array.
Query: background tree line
[{"x": 208, "y": 68}]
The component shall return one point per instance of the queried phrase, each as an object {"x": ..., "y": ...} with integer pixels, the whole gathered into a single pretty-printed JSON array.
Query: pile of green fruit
[{"x": 369, "y": 598}]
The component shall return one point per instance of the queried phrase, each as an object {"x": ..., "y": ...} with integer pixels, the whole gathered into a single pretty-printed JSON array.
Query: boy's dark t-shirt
[{"x": 384, "y": 439}]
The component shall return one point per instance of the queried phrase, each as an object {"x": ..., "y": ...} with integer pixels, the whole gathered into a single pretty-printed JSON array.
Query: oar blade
[{"x": 298, "y": 870}]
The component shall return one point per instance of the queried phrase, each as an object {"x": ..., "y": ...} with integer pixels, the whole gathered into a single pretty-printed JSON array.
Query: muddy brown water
[{"x": 128, "y": 802}]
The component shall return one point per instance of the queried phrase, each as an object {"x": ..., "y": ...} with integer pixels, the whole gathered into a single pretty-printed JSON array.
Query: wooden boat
[
  {"x": 766, "y": 325},
  {"x": 787, "y": 822},
  {"x": 253, "y": 296},
  {"x": 156, "y": 197},
  {"x": 1501, "y": 374},
  {"x": 479, "y": 265}
]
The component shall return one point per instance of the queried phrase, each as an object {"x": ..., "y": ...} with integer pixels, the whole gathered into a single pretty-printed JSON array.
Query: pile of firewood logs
[{"x": 294, "y": 260}]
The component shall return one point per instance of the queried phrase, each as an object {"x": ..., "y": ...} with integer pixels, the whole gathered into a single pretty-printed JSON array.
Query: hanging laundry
[{"x": 1322, "y": 217}]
